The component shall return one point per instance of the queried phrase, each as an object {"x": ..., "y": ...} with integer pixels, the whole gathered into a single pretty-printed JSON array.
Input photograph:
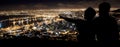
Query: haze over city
[{"x": 53, "y": 4}]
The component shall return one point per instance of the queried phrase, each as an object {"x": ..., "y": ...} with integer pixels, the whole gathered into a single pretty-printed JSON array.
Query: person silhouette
[
  {"x": 106, "y": 27},
  {"x": 84, "y": 27}
]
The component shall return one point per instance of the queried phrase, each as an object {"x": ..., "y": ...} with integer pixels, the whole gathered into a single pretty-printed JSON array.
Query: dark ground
[{"x": 38, "y": 43}]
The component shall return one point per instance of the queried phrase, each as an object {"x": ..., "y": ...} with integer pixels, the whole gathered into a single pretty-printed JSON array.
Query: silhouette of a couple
[{"x": 103, "y": 27}]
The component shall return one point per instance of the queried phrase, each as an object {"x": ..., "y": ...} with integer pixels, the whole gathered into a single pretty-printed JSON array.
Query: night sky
[
  {"x": 30, "y": 4},
  {"x": 34, "y": 1}
]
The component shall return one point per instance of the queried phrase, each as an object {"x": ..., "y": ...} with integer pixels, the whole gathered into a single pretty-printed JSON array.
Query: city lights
[
  {"x": 44, "y": 22},
  {"x": 39, "y": 23}
]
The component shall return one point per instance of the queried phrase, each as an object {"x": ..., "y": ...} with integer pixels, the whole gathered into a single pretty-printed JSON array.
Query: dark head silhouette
[
  {"x": 104, "y": 8},
  {"x": 89, "y": 13},
  {"x": 106, "y": 27}
]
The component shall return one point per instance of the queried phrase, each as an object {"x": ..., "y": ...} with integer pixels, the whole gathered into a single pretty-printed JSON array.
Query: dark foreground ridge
[{"x": 37, "y": 43}]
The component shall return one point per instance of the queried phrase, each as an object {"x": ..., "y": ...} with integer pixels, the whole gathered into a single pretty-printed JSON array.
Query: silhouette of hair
[
  {"x": 104, "y": 7},
  {"x": 89, "y": 13}
]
